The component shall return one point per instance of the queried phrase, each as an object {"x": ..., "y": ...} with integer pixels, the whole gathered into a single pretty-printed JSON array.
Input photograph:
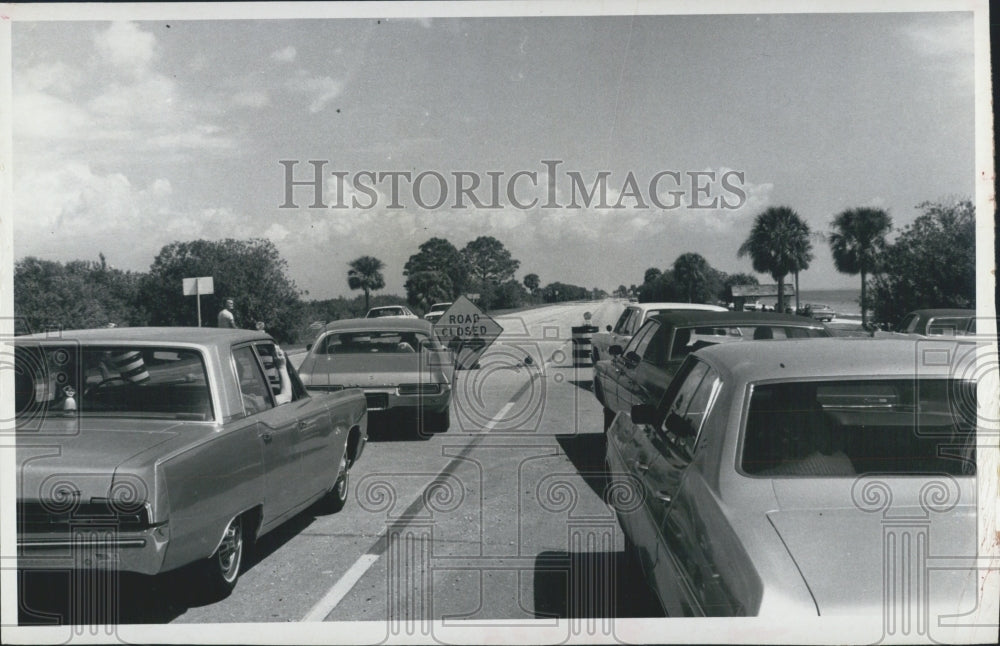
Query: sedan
[
  {"x": 436, "y": 312},
  {"x": 397, "y": 362},
  {"x": 939, "y": 322},
  {"x": 148, "y": 449},
  {"x": 769, "y": 476},
  {"x": 819, "y": 311},
  {"x": 632, "y": 319},
  {"x": 641, "y": 371}
]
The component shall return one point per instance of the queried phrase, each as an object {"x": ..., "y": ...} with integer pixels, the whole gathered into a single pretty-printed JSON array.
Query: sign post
[
  {"x": 467, "y": 331},
  {"x": 196, "y": 287}
]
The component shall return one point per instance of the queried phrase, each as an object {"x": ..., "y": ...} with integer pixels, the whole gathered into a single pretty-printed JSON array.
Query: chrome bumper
[{"x": 101, "y": 548}]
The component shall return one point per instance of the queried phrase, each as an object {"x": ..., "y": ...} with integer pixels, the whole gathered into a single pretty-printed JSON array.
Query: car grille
[
  {"x": 377, "y": 401},
  {"x": 419, "y": 389},
  {"x": 44, "y": 517}
]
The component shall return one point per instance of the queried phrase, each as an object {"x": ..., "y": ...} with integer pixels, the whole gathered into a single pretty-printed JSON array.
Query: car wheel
[
  {"x": 222, "y": 569},
  {"x": 336, "y": 498}
]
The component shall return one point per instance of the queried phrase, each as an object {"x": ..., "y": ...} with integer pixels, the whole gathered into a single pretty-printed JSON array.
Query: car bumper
[
  {"x": 94, "y": 548},
  {"x": 393, "y": 398}
]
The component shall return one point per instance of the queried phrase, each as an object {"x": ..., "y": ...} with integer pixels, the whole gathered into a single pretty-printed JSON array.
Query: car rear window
[
  {"x": 688, "y": 340},
  {"x": 119, "y": 381},
  {"x": 387, "y": 341},
  {"x": 853, "y": 427}
]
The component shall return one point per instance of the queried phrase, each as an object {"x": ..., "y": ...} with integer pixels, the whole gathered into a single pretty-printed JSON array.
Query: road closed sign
[{"x": 467, "y": 331}]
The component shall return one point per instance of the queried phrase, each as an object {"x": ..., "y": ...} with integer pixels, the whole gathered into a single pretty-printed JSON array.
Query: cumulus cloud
[
  {"x": 321, "y": 89},
  {"x": 126, "y": 47},
  {"x": 284, "y": 55}
]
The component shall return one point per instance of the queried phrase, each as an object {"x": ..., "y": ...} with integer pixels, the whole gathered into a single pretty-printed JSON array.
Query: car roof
[
  {"x": 702, "y": 317},
  {"x": 194, "y": 335},
  {"x": 387, "y": 307},
  {"x": 942, "y": 311},
  {"x": 703, "y": 307},
  {"x": 387, "y": 323},
  {"x": 835, "y": 357}
]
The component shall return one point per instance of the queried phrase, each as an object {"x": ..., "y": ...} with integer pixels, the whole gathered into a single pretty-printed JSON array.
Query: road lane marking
[
  {"x": 340, "y": 589},
  {"x": 346, "y": 583}
]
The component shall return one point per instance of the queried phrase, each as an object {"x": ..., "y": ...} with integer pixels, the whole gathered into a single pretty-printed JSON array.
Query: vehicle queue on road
[{"x": 745, "y": 437}]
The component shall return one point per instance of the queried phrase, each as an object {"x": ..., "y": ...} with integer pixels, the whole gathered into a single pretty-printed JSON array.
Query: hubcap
[{"x": 230, "y": 551}]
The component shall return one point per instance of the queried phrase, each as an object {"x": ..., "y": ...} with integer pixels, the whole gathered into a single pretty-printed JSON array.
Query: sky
[{"x": 132, "y": 135}]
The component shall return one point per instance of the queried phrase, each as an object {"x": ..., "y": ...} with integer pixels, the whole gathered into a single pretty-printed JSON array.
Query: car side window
[
  {"x": 253, "y": 384},
  {"x": 690, "y": 406},
  {"x": 909, "y": 323},
  {"x": 637, "y": 340},
  {"x": 268, "y": 356},
  {"x": 620, "y": 325},
  {"x": 656, "y": 348},
  {"x": 646, "y": 335}
]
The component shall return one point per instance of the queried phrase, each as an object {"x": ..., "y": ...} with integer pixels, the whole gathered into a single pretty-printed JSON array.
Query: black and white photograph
[{"x": 498, "y": 322}]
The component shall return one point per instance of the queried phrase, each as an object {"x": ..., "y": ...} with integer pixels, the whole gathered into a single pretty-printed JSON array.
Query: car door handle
[
  {"x": 303, "y": 425},
  {"x": 640, "y": 466},
  {"x": 663, "y": 495},
  {"x": 266, "y": 437}
]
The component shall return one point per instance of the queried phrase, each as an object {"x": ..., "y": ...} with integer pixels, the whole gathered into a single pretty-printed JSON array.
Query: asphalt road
[{"x": 502, "y": 518}]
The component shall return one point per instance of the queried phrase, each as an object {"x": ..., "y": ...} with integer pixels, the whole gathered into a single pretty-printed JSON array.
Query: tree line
[
  {"x": 931, "y": 262},
  {"x": 87, "y": 294}
]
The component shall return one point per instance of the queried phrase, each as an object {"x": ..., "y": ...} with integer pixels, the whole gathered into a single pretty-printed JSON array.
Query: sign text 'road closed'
[{"x": 467, "y": 330}]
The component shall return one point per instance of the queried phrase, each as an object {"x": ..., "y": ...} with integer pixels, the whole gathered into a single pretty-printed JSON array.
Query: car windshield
[
  {"x": 373, "y": 341},
  {"x": 863, "y": 426},
  {"x": 385, "y": 311},
  {"x": 120, "y": 381}
]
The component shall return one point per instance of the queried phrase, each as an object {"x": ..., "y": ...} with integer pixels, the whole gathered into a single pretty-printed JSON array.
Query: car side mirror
[
  {"x": 632, "y": 359},
  {"x": 678, "y": 426},
  {"x": 644, "y": 414},
  {"x": 309, "y": 347},
  {"x": 615, "y": 350},
  {"x": 607, "y": 327}
]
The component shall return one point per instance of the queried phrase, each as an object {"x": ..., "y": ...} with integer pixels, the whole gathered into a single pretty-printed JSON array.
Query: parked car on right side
[
  {"x": 937, "y": 322},
  {"x": 632, "y": 319},
  {"x": 641, "y": 371},
  {"x": 771, "y": 475}
]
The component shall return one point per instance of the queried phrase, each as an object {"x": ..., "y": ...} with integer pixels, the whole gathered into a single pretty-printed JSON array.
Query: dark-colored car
[
  {"x": 148, "y": 449},
  {"x": 939, "y": 322},
  {"x": 641, "y": 371}
]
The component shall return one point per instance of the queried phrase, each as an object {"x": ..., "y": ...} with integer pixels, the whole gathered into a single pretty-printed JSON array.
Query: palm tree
[
  {"x": 778, "y": 245},
  {"x": 857, "y": 241},
  {"x": 366, "y": 273},
  {"x": 691, "y": 272}
]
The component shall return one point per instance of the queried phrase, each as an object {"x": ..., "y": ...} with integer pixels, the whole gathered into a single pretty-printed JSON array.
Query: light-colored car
[
  {"x": 148, "y": 449},
  {"x": 641, "y": 371},
  {"x": 387, "y": 311},
  {"x": 397, "y": 362},
  {"x": 436, "y": 312},
  {"x": 819, "y": 311},
  {"x": 794, "y": 479},
  {"x": 632, "y": 318}
]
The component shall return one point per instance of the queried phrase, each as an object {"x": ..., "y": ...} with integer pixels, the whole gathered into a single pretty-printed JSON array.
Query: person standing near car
[{"x": 226, "y": 318}]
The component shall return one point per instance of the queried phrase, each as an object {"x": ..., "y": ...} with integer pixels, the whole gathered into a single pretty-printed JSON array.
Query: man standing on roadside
[{"x": 226, "y": 318}]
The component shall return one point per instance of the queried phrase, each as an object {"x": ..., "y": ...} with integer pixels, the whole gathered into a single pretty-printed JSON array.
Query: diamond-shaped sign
[{"x": 467, "y": 331}]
